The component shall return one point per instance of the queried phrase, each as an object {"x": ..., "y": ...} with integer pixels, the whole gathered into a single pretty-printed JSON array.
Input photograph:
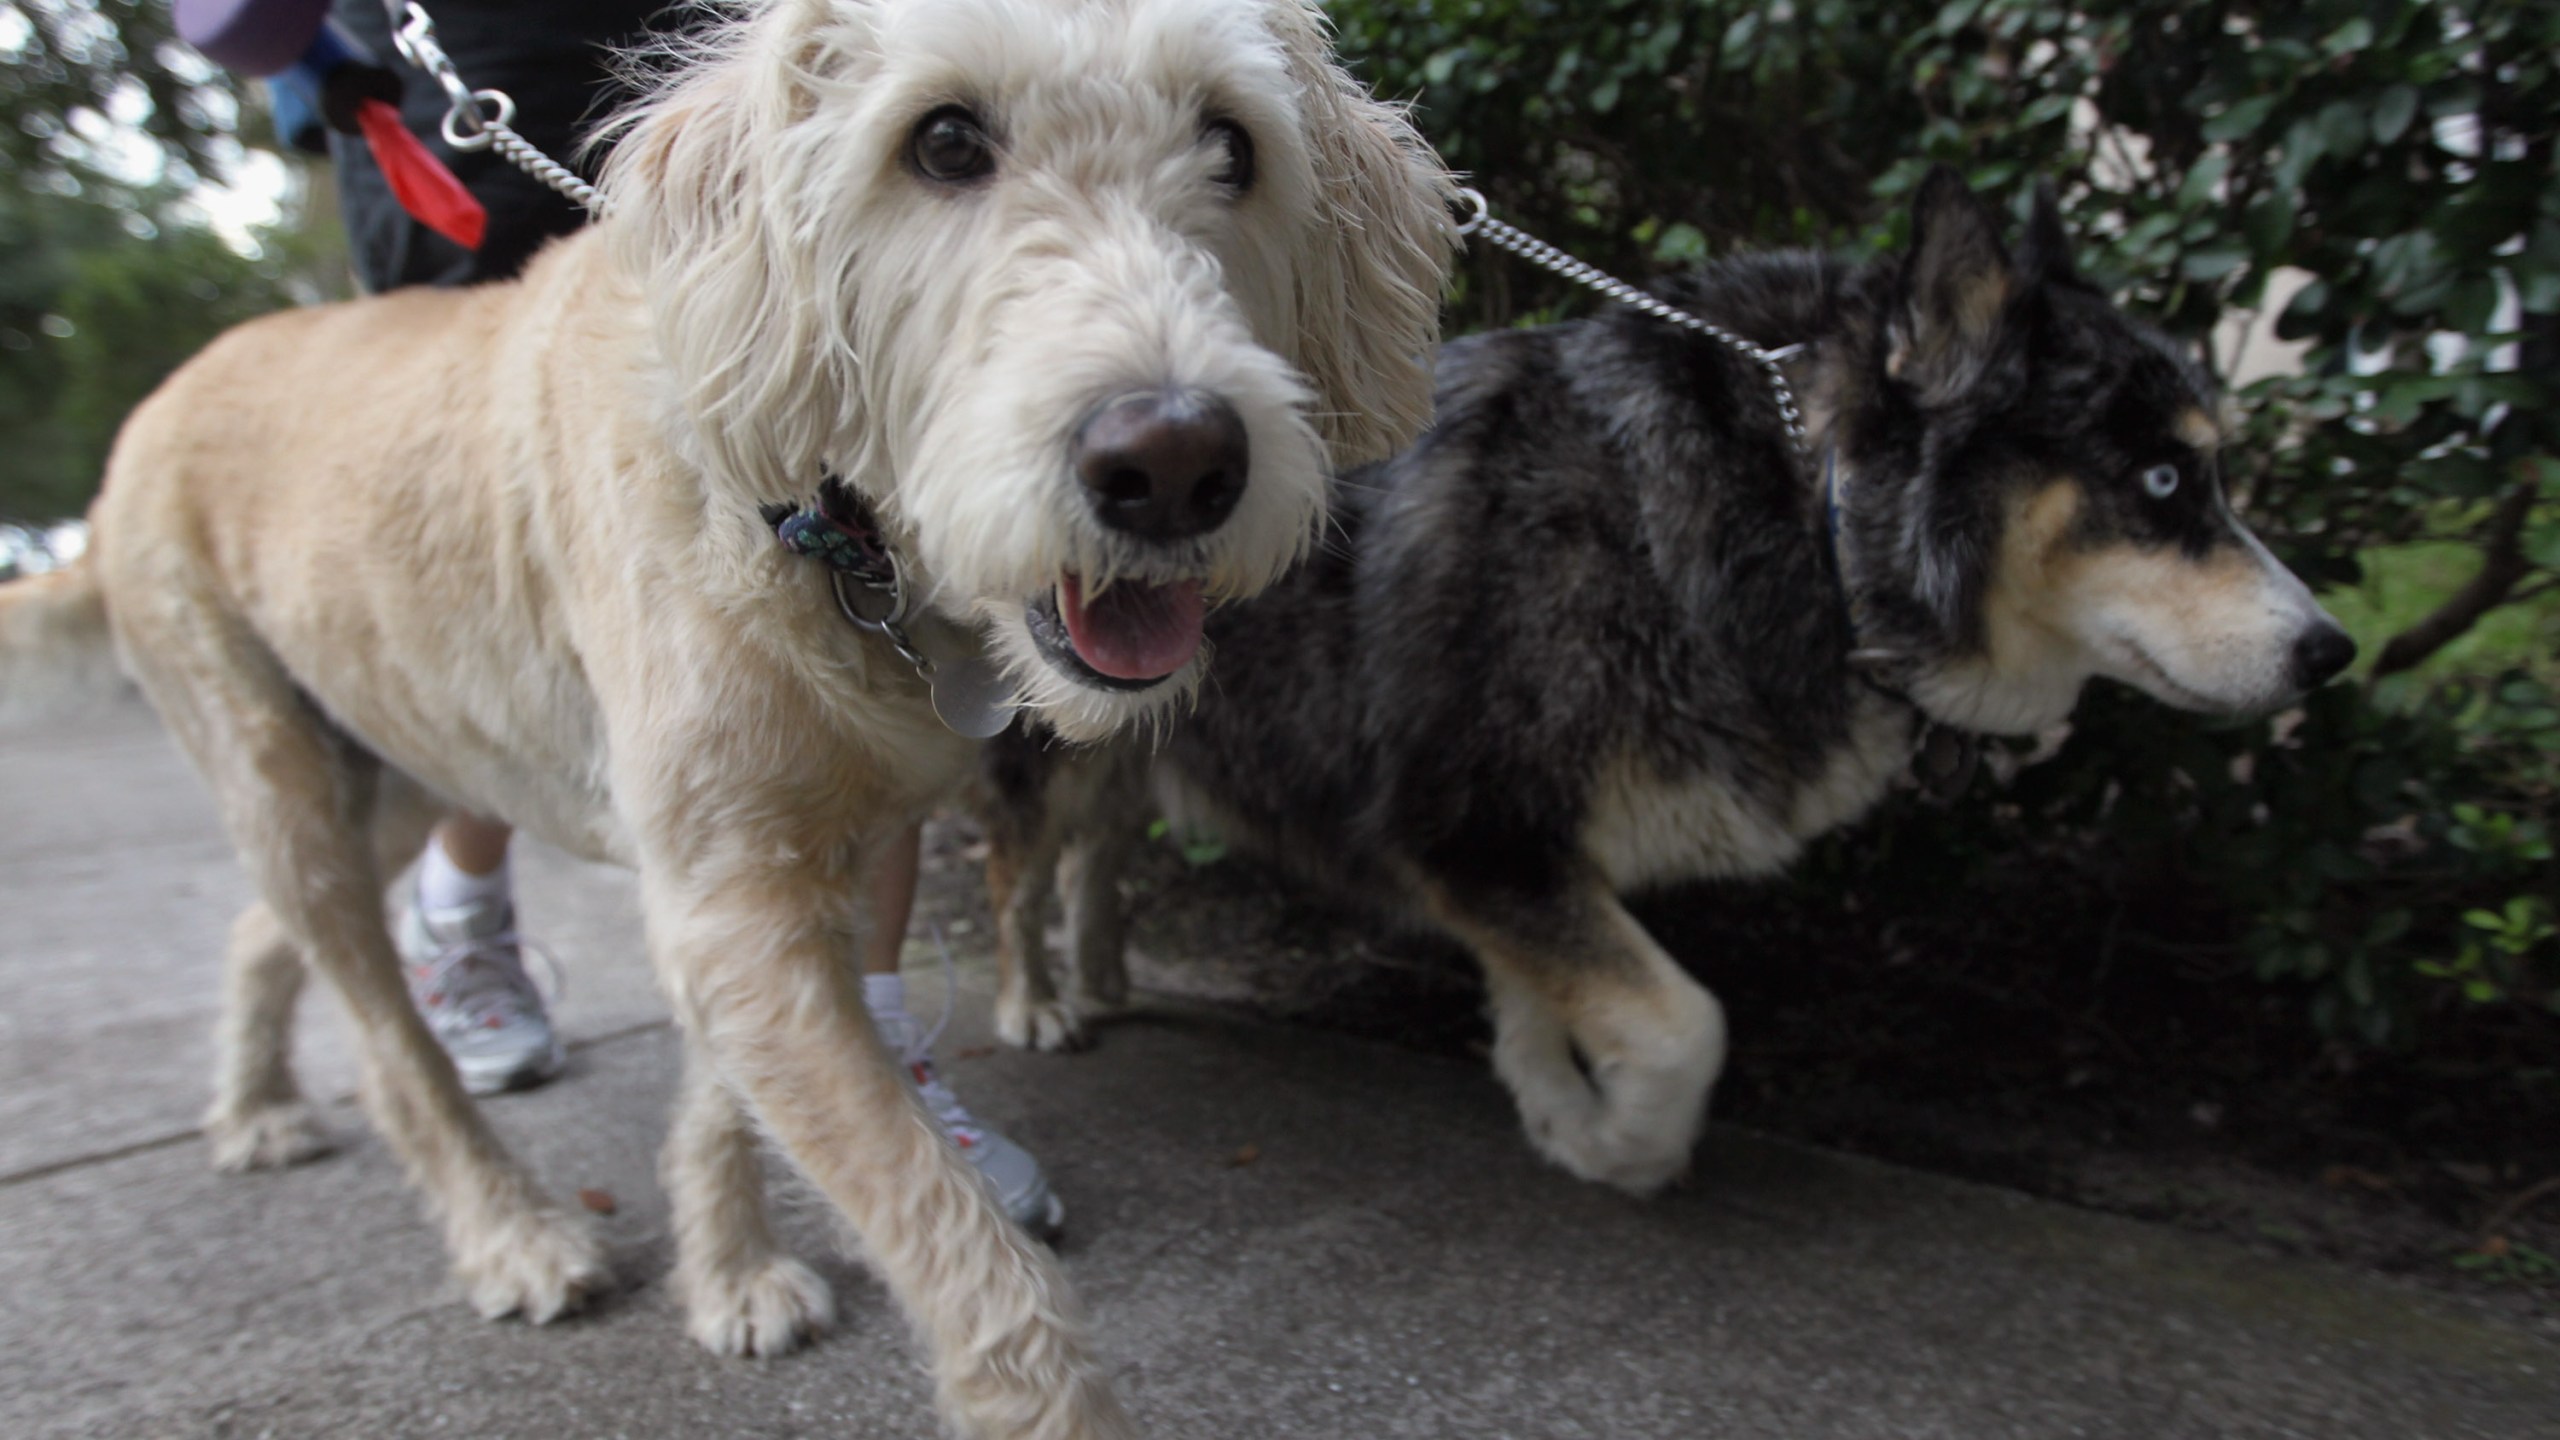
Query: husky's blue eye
[{"x": 2160, "y": 481}]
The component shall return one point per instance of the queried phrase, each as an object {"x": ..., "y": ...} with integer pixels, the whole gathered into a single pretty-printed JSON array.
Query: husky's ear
[
  {"x": 1368, "y": 293},
  {"x": 1956, "y": 285},
  {"x": 706, "y": 198},
  {"x": 2044, "y": 254}
]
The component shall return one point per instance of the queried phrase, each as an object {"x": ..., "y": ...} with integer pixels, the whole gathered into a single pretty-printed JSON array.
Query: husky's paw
[
  {"x": 1639, "y": 1162},
  {"x": 764, "y": 1310},
  {"x": 541, "y": 1265},
  {"x": 266, "y": 1137},
  {"x": 1630, "y": 1113},
  {"x": 1027, "y": 1024},
  {"x": 1626, "y": 1126}
]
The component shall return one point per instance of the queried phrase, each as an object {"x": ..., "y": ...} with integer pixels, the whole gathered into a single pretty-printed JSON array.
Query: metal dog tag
[
  {"x": 970, "y": 693},
  {"x": 972, "y": 696}
]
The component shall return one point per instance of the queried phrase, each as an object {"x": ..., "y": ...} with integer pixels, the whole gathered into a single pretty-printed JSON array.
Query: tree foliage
[
  {"x": 108, "y": 278},
  {"x": 82, "y": 77},
  {"x": 93, "y": 314}
]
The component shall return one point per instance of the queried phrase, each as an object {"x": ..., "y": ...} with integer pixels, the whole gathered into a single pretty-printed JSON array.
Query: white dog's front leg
[
  {"x": 758, "y": 967},
  {"x": 742, "y": 1294}
]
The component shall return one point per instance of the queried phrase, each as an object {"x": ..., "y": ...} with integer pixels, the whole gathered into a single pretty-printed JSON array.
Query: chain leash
[
  {"x": 480, "y": 119},
  {"x": 869, "y": 580},
  {"x": 1772, "y": 363}
]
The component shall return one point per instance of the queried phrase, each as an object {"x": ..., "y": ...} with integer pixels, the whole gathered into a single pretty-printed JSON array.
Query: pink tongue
[{"x": 1134, "y": 631}]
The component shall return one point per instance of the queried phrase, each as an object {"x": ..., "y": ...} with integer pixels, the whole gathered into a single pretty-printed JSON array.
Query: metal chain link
[
  {"x": 480, "y": 119},
  {"x": 1538, "y": 252}
]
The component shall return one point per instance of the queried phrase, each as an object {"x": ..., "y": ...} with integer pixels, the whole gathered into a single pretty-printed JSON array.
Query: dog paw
[
  {"x": 266, "y": 1138},
  {"x": 1620, "y": 1136},
  {"x": 1638, "y": 1164},
  {"x": 1051, "y": 1025},
  {"x": 762, "y": 1311},
  {"x": 540, "y": 1266}
]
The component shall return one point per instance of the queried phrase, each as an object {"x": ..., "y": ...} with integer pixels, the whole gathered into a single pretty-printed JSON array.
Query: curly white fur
[{"x": 938, "y": 346}]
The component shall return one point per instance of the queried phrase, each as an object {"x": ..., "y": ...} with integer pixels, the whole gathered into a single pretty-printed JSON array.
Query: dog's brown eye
[
  {"x": 2160, "y": 481},
  {"x": 952, "y": 147},
  {"x": 1235, "y": 171}
]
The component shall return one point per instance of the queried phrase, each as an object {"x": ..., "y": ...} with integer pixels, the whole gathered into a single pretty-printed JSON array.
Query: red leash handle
[{"x": 419, "y": 181}]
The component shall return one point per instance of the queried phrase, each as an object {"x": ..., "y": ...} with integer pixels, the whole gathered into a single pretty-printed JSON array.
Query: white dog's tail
[{"x": 55, "y": 651}]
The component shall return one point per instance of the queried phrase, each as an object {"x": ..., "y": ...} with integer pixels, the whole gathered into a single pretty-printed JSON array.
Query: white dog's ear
[
  {"x": 1369, "y": 295},
  {"x": 700, "y": 197}
]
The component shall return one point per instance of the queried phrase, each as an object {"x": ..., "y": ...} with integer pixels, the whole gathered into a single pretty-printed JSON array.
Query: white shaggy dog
[{"x": 1081, "y": 297}]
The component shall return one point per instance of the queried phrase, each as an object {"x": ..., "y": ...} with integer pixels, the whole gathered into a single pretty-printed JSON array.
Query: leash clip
[
  {"x": 891, "y": 624},
  {"x": 969, "y": 692},
  {"x": 838, "y": 532},
  {"x": 1478, "y": 210}
]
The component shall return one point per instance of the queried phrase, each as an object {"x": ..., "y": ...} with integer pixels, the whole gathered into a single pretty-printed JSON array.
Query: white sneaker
[
  {"x": 1020, "y": 1187},
  {"x": 466, "y": 972}
]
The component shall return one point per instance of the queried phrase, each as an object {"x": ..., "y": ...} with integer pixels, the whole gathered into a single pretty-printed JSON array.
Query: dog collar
[
  {"x": 1943, "y": 758},
  {"x": 970, "y": 695}
]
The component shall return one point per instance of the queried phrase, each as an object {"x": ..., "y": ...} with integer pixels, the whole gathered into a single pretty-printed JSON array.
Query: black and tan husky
[{"x": 1604, "y": 628}]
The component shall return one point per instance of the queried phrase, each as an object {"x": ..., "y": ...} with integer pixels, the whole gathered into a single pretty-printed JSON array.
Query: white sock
[
  {"x": 885, "y": 995},
  {"x": 443, "y": 885}
]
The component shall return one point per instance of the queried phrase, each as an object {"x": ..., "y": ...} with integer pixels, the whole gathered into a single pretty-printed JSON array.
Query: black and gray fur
[{"x": 1594, "y": 632}]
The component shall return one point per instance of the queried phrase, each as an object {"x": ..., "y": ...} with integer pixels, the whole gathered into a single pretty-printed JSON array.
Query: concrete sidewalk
[{"x": 1281, "y": 1233}]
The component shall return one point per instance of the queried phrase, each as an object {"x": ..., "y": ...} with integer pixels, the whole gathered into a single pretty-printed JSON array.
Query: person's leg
[
  {"x": 891, "y": 892},
  {"x": 893, "y": 903},
  {"x": 465, "y": 961},
  {"x": 476, "y": 847}
]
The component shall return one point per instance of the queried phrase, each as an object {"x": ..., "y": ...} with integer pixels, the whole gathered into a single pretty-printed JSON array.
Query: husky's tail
[{"x": 55, "y": 651}]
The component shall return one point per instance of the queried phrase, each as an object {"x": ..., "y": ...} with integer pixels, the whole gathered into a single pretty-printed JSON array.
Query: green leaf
[
  {"x": 2045, "y": 111},
  {"x": 2356, "y": 34},
  {"x": 2542, "y": 545},
  {"x": 2242, "y": 119},
  {"x": 2268, "y": 224},
  {"x": 2202, "y": 180},
  {"x": 2302, "y": 147},
  {"x": 2473, "y": 302},
  {"x": 1681, "y": 244},
  {"x": 2393, "y": 112},
  {"x": 2400, "y": 397},
  {"x": 2539, "y": 291},
  {"x": 2342, "y": 128},
  {"x": 2388, "y": 926},
  {"x": 2210, "y": 264}
]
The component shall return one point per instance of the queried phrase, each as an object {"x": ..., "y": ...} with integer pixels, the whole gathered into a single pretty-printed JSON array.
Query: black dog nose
[
  {"x": 1163, "y": 464},
  {"x": 2323, "y": 651}
]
